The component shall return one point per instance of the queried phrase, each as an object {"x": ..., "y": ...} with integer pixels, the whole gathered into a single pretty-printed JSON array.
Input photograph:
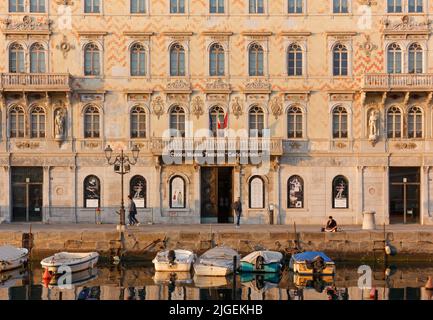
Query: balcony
[
  {"x": 398, "y": 82},
  {"x": 35, "y": 82}
]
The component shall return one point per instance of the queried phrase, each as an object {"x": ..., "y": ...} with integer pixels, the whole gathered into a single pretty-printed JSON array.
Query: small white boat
[
  {"x": 174, "y": 260},
  {"x": 216, "y": 262},
  {"x": 75, "y": 261},
  {"x": 312, "y": 263},
  {"x": 12, "y": 258}
]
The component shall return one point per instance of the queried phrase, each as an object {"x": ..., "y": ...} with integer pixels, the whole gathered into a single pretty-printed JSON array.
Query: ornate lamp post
[{"x": 122, "y": 165}]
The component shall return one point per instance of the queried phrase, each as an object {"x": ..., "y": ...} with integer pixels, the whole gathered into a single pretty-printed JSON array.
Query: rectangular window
[
  {"x": 138, "y": 6},
  {"x": 216, "y": 6},
  {"x": 256, "y": 6},
  {"x": 394, "y": 6},
  {"x": 341, "y": 6},
  {"x": 295, "y": 6},
  {"x": 415, "y": 6},
  {"x": 177, "y": 6},
  {"x": 92, "y": 6},
  {"x": 37, "y": 5},
  {"x": 16, "y": 5}
]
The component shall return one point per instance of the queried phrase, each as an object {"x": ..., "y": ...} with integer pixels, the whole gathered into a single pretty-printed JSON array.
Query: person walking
[
  {"x": 132, "y": 212},
  {"x": 237, "y": 207}
]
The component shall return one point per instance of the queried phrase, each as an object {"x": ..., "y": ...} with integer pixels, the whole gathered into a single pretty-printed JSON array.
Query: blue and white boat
[
  {"x": 312, "y": 263},
  {"x": 262, "y": 261}
]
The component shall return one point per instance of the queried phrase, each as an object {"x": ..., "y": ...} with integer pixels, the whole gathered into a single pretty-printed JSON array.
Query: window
[
  {"x": 177, "y": 121},
  {"x": 37, "y": 123},
  {"x": 16, "y": 122},
  {"x": 177, "y": 192},
  {"x": 294, "y": 122},
  {"x": 256, "y": 121},
  {"x": 414, "y": 123},
  {"x": 341, "y": 6},
  {"x": 393, "y": 123},
  {"x": 92, "y": 6},
  {"x": 394, "y": 6},
  {"x": 138, "y": 122},
  {"x": 177, "y": 60},
  {"x": 91, "y": 122},
  {"x": 340, "y": 193},
  {"x": 16, "y": 58},
  {"x": 295, "y": 6},
  {"x": 216, "y": 6},
  {"x": 256, "y": 193},
  {"x": 37, "y": 58},
  {"x": 216, "y": 118},
  {"x": 138, "y": 191},
  {"x": 138, "y": 60},
  {"x": 394, "y": 58},
  {"x": 16, "y": 5},
  {"x": 216, "y": 60},
  {"x": 256, "y": 6},
  {"x": 92, "y": 192},
  {"x": 415, "y": 6},
  {"x": 92, "y": 60},
  {"x": 177, "y": 6},
  {"x": 340, "y": 60},
  {"x": 255, "y": 60},
  {"x": 294, "y": 56},
  {"x": 138, "y": 6},
  {"x": 339, "y": 123},
  {"x": 295, "y": 192},
  {"x": 37, "y": 5},
  {"x": 415, "y": 58}
]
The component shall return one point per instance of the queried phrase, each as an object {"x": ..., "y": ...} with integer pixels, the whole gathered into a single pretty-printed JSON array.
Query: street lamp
[{"x": 122, "y": 165}]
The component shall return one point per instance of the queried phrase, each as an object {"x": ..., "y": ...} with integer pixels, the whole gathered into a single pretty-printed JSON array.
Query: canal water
[{"x": 140, "y": 282}]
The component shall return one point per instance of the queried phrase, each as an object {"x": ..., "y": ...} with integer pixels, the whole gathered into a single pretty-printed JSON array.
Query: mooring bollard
[{"x": 368, "y": 222}]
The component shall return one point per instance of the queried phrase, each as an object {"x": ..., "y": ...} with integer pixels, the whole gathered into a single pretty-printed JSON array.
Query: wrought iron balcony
[
  {"x": 398, "y": 82},
  {"x": 35, "y": 82}
]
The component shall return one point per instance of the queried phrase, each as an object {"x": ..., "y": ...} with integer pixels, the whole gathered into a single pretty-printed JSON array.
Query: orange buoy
[{"x": 47, "y": 277}]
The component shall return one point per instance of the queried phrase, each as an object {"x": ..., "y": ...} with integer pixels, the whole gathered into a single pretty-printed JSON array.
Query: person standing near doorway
[
  {"x": 132, "y": 212},
  {"x": 237, "y": 207}
]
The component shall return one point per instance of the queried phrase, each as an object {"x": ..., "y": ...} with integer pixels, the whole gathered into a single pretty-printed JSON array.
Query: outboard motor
[
  {"x": 317, "y": 265},
  {"x": 171, "y": 256},
  {"x": 260, "y": 263}
]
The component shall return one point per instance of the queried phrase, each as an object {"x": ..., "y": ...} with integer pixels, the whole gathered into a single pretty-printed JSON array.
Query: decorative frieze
[
  {"x": 158, "y": 106},
  {"x": 27, "y": 145},
  {"x": 217, "y": 85},
  {"x": 27, "y": 25},
  {"x": 92, "y": 97},
  {"x": 405, "y": 145},
  {"x": 178, "y": 85},
  {"x": 258, "y": 85}
]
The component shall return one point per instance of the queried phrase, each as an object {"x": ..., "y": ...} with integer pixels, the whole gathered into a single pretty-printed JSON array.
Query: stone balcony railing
[
  {"x": 274, "y": 145},
  {"x": 403, "y": 81},
  {"x": 35, "y": 82}
]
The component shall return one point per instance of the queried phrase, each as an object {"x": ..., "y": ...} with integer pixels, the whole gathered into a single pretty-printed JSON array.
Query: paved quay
[{"x": 413, "y": 242}]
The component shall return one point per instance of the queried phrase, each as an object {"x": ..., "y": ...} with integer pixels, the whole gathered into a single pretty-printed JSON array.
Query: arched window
[
  {"x": 37, "y": 5},
  {"x": 92, "y": 192},
  {"x": 138, "y": 191},
  {"x": 394, "y": 6},
  {"x": 216, "y": 60},
  {"x": 294, "y": 122},
  {"x": 138, "y": 122},
  {"x": 16, "y": 122},
  {"x": 138, "y": 6},
  {"x": 294, "y": 56},
  {"x": 414, "y": 123},
  {"x": 339, "y": 123},
  {"x": 92, "y": 62},
  {"x": 256, "y": 193},
  {"x": 216, "y": 117},
  {"x": 415, "y": 58},
  {"x": 16, "y": 58},
  {"x": 37, "y": 58},
  {"x": 256, "y": 6},
  {"x": 340, "y": 193},
  {"x": 177, "y": 61},
  {"x": 138, "y": 60},
  {"x": 256, "y": 119},
  {"x": 340, "y": 60},
  {"x": 91, "y": 122},
  {"x": 394, "y": 58},
  {"x": 177, "y": 6},
  {"x": 255, "y": 60},
  {"x": 295, "y": 192},
  {"x": 394, "y": 123},
  {"x": 37, "y": 122},
  {"x": 177, "y": 192},
  {"x": 216, "y": 6},
  {"x": 177, "y": 121}
]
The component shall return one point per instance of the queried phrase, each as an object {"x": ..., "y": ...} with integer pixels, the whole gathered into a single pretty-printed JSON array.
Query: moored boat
[
  {"x": 262, "y": 261},
  {"x": 12, "y": 258},
  {"x": 217, "y": 262},
  {"x": 174, "y": 260},
  {"x": 76, "y": 261},
  {"x": 312, "y": 262}
]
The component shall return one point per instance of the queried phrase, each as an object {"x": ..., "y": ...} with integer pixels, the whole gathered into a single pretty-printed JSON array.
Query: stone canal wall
[{"x": 411, "y": 245}]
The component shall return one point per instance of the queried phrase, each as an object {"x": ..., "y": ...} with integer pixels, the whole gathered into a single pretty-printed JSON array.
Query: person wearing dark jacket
[
  {"x": 237, "y": 207},
  {"x": 132, "y": 209}
]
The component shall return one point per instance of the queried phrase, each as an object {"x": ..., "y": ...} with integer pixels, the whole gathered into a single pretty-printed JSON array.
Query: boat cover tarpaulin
[
  {"x": 219, "y": 256},
  {"x": 9, "y": 253},
  {"x": 310, "y": 255},
  {"x": 269, "y": 257},
  {"x": 182, "y": 256}
]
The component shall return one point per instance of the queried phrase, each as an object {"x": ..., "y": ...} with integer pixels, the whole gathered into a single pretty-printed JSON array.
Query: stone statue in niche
[
  {"x": 373, "y": 133},
  {"x": 59, "y": 124}
]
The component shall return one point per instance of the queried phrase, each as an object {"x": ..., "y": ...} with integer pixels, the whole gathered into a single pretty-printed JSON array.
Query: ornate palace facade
[{"x": 337, "y": 93}]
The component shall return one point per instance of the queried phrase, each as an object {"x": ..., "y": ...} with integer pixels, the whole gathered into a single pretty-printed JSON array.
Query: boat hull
[
  {"x": 270, "y": 267},
  {"x": 301, "y": 268},
  {"x": 13, "y": 264},
  {"x": 78, "y": 266},
  {"x": 176, "y": 267},
  {"x": 213, "y": 271}
]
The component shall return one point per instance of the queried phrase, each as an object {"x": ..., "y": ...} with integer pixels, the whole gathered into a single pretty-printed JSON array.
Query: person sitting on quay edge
[{"x": 331, "y": 225}]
